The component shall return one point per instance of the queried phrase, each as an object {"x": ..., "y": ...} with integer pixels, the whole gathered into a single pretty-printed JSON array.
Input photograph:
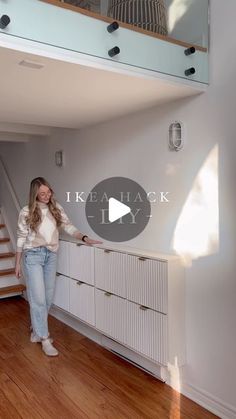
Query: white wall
[
  {"x": 136, "y": 147},
  {"x": 188, "y": 20}
]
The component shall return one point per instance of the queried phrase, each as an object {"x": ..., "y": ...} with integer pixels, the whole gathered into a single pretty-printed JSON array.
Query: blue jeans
[{"x": 39, "y": 266}]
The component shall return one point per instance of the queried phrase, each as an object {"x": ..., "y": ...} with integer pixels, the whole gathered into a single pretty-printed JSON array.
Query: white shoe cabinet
[{"x": 134, "y": 297}]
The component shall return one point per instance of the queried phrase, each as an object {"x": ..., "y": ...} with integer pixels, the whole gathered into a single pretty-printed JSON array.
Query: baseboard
[
  {"x": 134, "y": 358},
  {"x": 208, "y": 401}
]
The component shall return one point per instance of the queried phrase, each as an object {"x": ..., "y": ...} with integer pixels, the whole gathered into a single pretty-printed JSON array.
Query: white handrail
[
  {"x": 9, "y": 185},
  {"x": 10, "y": 206}
]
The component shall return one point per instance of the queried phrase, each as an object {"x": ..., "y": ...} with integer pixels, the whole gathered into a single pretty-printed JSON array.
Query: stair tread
[
  {"x": 8, "y": 271},
  {"x": 4, "y": 240},
  {"x": 7, "y": 255},
  {"x": 12, "y": 288}
]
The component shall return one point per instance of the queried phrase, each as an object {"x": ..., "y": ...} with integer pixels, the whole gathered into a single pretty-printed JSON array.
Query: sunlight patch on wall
[
  {"x": 177, "y": 10},
  {"x": 197, "y": 229}
]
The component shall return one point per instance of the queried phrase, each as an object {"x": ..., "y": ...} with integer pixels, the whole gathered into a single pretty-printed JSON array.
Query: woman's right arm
[
  {"x": 22, "y": 232},
  {"x": 17, "y": 264}
]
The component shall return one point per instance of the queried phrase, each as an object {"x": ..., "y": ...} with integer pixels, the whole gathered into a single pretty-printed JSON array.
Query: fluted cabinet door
[
  {"x": 110, "y": 270},
  {"x": 111, "y": 315},
  {"x": 61, "y": 295},
  {"x": 82, "y": 301},
  {"x": 147, "y": 332},
  {"x": 82, "y": 263},
  {"x": 63, "y": 258},
  {"x": 147, "y": 282}
]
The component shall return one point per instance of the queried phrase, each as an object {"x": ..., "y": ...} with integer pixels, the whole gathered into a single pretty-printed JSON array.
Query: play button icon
[{"x": 117, "y": 209}]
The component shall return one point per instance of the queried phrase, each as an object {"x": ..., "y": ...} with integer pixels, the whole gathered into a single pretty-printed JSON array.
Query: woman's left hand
[{"x": 90, "y": 242}]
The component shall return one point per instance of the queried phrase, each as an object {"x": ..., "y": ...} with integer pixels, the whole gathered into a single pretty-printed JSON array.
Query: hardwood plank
[
  {"x": 12, "y": 288},
  {"x": 14, "y": 314},
  {"x": 84, "y": 381},
  {"x": 4, "y": 240},
  {"x": 53, "y": 401},
  {"x": 23, "y": 404},
  {"x": 133, "y": 391},
  {"x": 93, "y": 396},
  {"x": 8, "y": 271},
  {"x": 7, "y": 255},
  {"x": 12, "y": 340},
  {"x": 7, "y": 410}
]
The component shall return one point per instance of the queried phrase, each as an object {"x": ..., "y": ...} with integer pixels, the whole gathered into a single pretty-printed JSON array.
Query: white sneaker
[
  {"x": 48, "y": 348},
  {"x": 36, "y": 339}
]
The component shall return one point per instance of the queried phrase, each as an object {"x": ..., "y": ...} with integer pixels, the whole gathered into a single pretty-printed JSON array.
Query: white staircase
[{"x": 9, "y": 284}]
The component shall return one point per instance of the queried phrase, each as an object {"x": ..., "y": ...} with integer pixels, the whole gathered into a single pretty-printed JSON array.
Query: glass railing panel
[
  {"x": 70, "y": 26},
  {"x": 183, "y": 20}
]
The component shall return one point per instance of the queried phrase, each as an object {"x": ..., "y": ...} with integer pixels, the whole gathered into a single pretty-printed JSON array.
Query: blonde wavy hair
[{"x": 34, "y": 217}]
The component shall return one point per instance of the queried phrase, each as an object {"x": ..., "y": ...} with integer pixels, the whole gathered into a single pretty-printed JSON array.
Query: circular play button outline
[{"x": 117, "y": 209}]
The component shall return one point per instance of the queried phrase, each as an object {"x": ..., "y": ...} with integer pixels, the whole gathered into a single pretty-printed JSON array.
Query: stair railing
[{"x": 9, "y": 203}]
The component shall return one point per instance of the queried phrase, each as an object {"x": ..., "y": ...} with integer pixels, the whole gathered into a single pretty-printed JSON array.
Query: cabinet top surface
[{"x": 152, "y": 254}]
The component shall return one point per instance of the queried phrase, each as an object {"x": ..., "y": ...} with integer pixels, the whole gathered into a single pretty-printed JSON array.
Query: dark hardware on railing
[
  {"x": 112, "y": 27},
  {"x": 114, "y": 51},
  {"x": 189, "y": 71},
  {"x": 190, "y": 51},
  {"x": 4, "y": 21}
]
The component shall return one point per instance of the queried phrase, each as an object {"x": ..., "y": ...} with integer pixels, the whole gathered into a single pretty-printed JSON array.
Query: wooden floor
[{"x": 84, "y": 381}]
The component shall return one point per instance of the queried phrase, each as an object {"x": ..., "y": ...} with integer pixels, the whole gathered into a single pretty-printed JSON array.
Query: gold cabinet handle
[
  {"x": 143, "y": 308},
  {"x": 108, "y": 294}
]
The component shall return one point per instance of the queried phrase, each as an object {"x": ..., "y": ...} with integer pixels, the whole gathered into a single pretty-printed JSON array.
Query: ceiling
[{"x": 64, "y": 94}]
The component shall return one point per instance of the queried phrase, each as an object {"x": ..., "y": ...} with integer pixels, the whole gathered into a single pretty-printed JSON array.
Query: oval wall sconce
[
  {"x": 59, "y": 158},
  {"x": 176, "y": 136}
]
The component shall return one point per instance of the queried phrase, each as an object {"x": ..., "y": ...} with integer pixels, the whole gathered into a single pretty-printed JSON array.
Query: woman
[{"x": 38, "y": 240}]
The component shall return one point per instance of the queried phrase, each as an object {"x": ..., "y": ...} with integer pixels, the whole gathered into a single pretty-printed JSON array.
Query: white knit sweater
[{"x": 47, "y": 232}]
